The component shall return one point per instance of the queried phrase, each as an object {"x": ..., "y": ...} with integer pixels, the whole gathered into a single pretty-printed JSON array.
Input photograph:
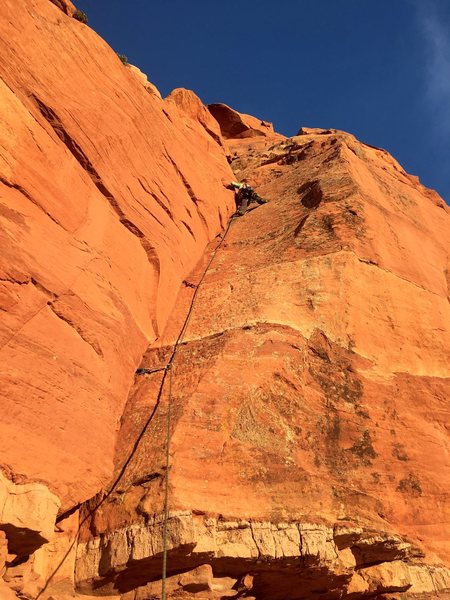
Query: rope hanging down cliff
[
  {"x": 178, "y": 341},
  {"x": 167, "y": 371}
]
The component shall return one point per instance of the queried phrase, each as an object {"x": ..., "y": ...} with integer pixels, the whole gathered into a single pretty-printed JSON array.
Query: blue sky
[{"x": 379, "y": 69}]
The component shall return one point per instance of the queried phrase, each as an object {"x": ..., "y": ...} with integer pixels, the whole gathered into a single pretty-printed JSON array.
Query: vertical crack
[{"x": 254, "y": 540}]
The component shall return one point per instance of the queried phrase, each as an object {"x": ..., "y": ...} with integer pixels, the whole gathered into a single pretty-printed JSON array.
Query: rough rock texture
[
  {"x": 310, "y": 412},
  {"x": 27, "y": 515},
  {"x": 65, "y": 5},
  {"x": 234, "y": 125},
  {"x": 283, "y": 560},
  {"x": 107, "y": 202},
  {"x": 189, "y": 104},
  {"x": 309, "y": 441}
]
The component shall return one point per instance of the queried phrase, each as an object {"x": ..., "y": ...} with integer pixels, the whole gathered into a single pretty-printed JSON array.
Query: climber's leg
[{"x": 242, "y": 207}]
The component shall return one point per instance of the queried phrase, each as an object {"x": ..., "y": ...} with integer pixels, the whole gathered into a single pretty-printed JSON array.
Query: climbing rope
[
  {"x": 167, "y": 369},
  {"x": 166, "y": 492},
  {"x": 178, "y": 341}
]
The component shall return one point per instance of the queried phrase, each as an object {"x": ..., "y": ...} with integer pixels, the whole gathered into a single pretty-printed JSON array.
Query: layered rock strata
[
  {"x": 309, "y": 446},
  {"x": 310, "y": 394}
]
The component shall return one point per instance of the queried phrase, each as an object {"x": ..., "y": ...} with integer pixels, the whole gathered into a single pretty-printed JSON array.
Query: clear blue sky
[{"x": 379, "y": 69}]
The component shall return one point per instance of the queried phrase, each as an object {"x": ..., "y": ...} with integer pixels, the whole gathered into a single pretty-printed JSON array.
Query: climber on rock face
[{"x": 245, "y": 195}]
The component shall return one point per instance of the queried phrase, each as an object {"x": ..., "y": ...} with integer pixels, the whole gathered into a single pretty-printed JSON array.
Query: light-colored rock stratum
[{"x": 309, "y": 440}]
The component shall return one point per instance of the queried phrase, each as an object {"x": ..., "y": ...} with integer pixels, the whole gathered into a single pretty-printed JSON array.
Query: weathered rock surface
[
  {"x": 280, "y": 557},
  {"x": 311, "y": 390},
  {"x": 234, "y": 125},
  {"x": 107, "y": 202},
  {"x": 309, "y": 446},
  {"x": 66, "y": 6},
  {"x": 27, "y": 515},
  {"x": 191, "y": 106},
  {"x": 142, "y": 77}
]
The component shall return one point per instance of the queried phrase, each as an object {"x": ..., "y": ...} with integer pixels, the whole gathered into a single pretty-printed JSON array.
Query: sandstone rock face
[
  {"x": 309, "y": 436},
  {"x": 310, "y": 396},
  {"x": 142, "y": 77},
  {"x": 235, "y": 125},
  {"x": 107, "y": 203},
  {"x": 27, "y": 515},
  {"x": 65, "y": 5}
]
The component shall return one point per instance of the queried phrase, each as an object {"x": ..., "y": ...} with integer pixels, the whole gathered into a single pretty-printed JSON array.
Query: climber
[
  {"x": 145, "y": 371},
  {"x": 245, "y": 195}
]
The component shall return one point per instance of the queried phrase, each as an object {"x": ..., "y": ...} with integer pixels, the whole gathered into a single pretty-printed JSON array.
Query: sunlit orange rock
[
  {"x": 310, "y": 394},
  {"x": 107, "y": 202},
  {"x": 309, "y": 435}
]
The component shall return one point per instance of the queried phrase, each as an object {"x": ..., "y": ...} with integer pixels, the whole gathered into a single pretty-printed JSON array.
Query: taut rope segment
[{"x": 167, "y": 371}]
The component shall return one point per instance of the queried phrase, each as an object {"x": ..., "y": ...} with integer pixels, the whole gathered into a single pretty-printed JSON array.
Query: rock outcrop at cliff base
[{"x": 309, "y": 434}]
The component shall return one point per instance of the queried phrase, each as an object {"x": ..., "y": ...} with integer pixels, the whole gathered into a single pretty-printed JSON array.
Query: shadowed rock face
[{"x": 309, "y": 441}]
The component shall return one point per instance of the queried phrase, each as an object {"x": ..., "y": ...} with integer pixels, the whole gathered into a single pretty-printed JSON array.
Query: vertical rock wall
[
  {"x": 108, "y": 198},
  {"x": 309, "y": 447}
]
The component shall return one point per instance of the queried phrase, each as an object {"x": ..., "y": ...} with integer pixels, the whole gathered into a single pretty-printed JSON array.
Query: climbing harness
[{"x": 167, "y": 372}]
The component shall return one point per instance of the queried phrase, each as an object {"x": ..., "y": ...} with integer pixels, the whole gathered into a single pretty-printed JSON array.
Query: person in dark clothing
[{"x": 245, "y": 195}]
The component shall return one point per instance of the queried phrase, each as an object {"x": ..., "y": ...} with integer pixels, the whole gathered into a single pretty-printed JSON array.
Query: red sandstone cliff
[
  {"x": 309, "y": 441},
  {"x": 110, "y": 195}
]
